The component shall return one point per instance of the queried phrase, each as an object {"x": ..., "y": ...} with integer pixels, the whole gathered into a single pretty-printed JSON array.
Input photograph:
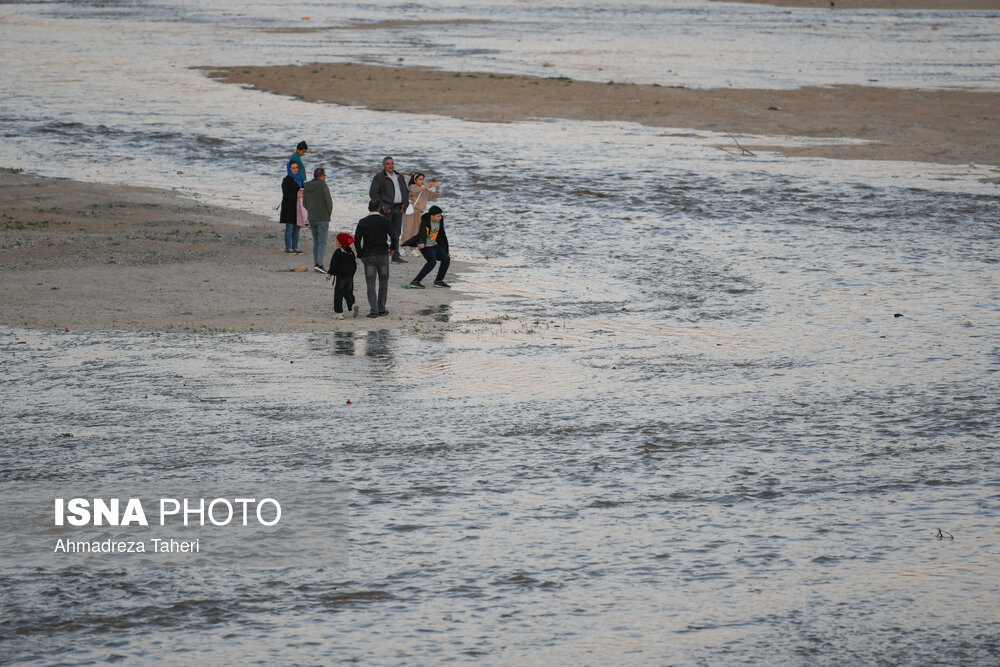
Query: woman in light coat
[{"x": 420, "y": 195}]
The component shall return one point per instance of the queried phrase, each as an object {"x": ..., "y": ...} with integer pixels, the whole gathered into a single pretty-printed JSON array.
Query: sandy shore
[
  {"x": 943, "y": 126},
  {"x": 89, "y": 256},
  {"x": 880, "y": 4}
]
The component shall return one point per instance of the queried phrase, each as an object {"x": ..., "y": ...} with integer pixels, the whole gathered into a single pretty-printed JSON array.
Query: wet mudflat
[
  {"x": 727, "y": 445},
  {"x": 702, "y": 407}
]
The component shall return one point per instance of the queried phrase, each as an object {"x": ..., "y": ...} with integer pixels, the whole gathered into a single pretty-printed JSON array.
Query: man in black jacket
[
  {"x": 389, "y": 190},
  {"x": 374, "y": 243}
]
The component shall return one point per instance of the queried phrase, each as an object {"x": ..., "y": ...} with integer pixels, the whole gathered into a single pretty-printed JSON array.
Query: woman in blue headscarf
[{"x": 291, "y": 191}]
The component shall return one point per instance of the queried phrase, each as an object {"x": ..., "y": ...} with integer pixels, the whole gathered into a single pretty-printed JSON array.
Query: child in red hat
[{"x": 343, "y": 264}]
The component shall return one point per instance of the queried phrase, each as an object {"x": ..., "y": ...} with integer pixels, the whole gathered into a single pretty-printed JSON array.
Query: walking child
[{"x": 343, "y": 264}]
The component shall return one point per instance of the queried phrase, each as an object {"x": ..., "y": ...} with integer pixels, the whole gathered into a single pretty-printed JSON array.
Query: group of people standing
[
  {"x": 397, "y": 218},
  {"x": 305, "y": 204}
]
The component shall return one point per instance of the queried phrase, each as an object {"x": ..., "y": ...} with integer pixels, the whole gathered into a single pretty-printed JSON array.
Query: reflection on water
[
  {"x": 438, "y": 313},
  {"x": 379, "y": 345},
  {"x": 343, "y": 343}
]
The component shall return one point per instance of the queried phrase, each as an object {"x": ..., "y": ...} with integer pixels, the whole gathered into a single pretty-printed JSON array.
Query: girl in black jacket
[{"x": 432, "y": 241}]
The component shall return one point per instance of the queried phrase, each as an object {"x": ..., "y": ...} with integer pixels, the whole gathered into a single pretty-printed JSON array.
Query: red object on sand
[{"x": 348, "y": 402}]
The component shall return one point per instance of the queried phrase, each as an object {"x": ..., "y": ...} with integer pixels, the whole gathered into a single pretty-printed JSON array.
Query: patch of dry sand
[
  {"x": 97, "y": 257},
  {"x": 943, "y": 126},
  {"x": 377, "y": 25}
]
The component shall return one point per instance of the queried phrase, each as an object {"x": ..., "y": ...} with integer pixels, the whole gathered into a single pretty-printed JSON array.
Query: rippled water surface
[{"x": 704, "y": 409}]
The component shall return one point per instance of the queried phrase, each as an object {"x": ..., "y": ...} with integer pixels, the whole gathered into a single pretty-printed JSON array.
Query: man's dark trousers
[
  {"x": 396, "y": 227},
  {"x": 377, "y": 267}
]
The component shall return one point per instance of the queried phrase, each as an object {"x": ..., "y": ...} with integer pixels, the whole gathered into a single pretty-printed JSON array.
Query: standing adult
[
  {"x": 319, "y": 205},
  {"x": 291, "y": 191},
  {"x": 296, "y": 157},
  {"x": 432, "y": 241},
  {"x": 374, "y": 242},
  {"x": 389, "y": 189},
  {"x": 420, "y": 195}
]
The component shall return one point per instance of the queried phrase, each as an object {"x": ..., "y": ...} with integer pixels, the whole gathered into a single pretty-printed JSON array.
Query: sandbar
[
  {"x": 951, "y": 126},
  {"x": 86, "y": 256}
]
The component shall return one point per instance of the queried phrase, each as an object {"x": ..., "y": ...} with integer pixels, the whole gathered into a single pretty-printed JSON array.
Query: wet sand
[
  {"x": 95, "y": 257},
  {"x": 942, "y": 126}
]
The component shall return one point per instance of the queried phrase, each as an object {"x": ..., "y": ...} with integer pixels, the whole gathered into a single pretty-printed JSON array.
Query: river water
[{"x": 705, "y": 409}]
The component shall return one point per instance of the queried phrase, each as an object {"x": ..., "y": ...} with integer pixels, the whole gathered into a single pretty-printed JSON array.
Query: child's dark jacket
[{"x": 343, "y": 264}]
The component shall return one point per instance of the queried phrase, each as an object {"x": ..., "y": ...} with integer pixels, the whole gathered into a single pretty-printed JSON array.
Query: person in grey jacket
[
  {"x": 389, "y": 190},
  {"x": 319, "y": 205}
]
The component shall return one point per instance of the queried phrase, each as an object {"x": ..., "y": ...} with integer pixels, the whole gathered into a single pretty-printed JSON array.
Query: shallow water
[{"x": 680, "y": 424}]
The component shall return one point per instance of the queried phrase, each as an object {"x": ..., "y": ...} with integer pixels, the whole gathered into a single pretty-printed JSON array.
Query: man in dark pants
[
  {"x": 389, "y": 190},
  {"x": 374, "y": 242}
]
